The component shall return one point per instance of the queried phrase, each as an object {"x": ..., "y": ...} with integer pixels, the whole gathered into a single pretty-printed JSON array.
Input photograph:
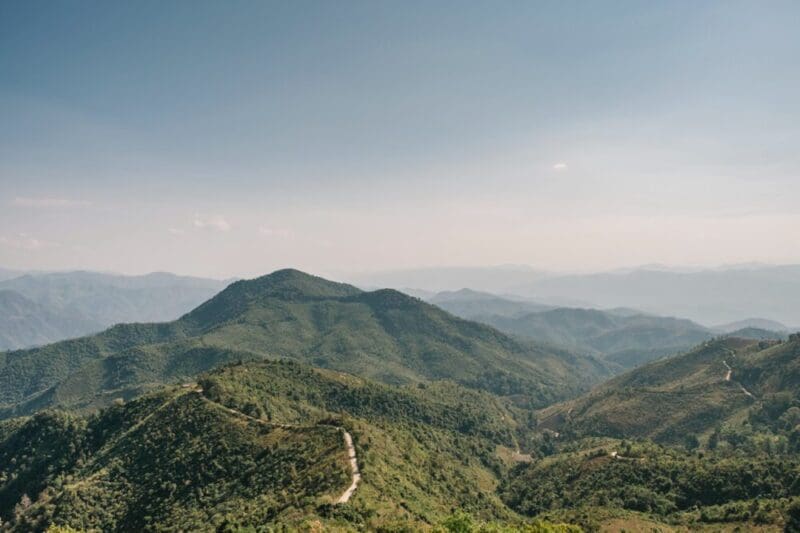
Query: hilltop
[{"x": 384, "y": 335}]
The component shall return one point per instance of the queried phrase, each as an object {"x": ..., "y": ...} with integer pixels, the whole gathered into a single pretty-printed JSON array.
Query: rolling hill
[
  {"x": 755, "y": 323},
  {"x": 439, "y": 412},
  {"x": 689, "y": 395},
  {"x": 384, "y": 335},
  {"x": 269, "y": 437},
  {"x": 25, "y": 323},
  {"x": 267, "y": 445},
  {"x": 80, "y": 303},
  {"x": 609, "y": 485},
  {"x": 758, "y": 334},
  {"x": 706, "y": 440},
  {"x": 473, "y": 305},
  {"x": 625, "y": 337}
]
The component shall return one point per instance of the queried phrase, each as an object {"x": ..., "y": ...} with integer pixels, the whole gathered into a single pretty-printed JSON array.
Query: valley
[{"x": 312, "y": 404}]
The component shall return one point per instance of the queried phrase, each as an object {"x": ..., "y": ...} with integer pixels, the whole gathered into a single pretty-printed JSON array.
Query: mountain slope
[
  {"x": 625, "y": 338},
  {"x": 26, "y": 323},
  {"x": 139, "y": 467},
  {"x": 384, "y": 335},
  {"x": 689, "y": 394},
  {"x": 646, "y": 487},
  {"x": 269, "y": 441},
  {"x": 472, "y": 305},
  {"x": 87, "y": 302}
]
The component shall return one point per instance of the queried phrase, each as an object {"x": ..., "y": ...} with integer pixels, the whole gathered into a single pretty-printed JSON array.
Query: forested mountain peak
[{"x": 384, "y": 335}]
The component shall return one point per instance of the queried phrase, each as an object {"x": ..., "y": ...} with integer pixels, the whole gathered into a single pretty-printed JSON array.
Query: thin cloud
[
  {"x": 274, "y": 232},
  {"x": 216, "y": 223},
  {"x": 176, "y": 231},
  {"x": 23, "y": 241},
  {"x": 45, "y": 202},
  {"x": 560, "y": 166}
]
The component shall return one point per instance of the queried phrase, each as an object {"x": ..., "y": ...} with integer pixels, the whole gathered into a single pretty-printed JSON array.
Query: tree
[
  {"x": 793, "y": 518},
  {"x": 23, "y": 504},
  {"x": 458, "y": 522}
]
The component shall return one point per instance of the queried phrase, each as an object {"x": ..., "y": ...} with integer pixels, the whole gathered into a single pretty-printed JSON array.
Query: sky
[{"x": 233, "y": 138}]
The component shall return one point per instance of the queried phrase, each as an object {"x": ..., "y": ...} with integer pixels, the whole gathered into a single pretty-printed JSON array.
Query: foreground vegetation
[
  {"x": 259, "y": 444},
  {"x": 671, "y": 484}
]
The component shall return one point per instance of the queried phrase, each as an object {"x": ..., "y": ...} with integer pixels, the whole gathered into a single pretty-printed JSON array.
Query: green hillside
[
  {"x": 261, "y": 444},
  {"x": 626, "y": 339},
  {"x": 452, "y": 423},
  {"x": 137, "y": 467},
  {"x": 722, "y": 383},
  {"x": 623, "y": 486},
  {"x": 25, "y": 323},
  {"x": 384, "y": 335}
]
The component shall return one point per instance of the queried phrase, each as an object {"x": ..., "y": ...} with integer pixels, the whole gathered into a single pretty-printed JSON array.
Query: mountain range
[
  {"x": 709, "y": 297},
  {"x": 624, "y": 337},
  {"x": 384, "y": 335},
  {"x": 706, "y": 296},
  {"x": 40, "y": 308},
  {"x": 289, "y": 402}
]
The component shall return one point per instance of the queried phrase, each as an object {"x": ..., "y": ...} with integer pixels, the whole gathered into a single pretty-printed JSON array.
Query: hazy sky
[{"x": 233, "y": 138}]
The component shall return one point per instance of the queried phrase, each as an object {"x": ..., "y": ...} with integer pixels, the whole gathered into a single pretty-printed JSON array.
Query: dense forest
[{"x": 186, "y": 426}]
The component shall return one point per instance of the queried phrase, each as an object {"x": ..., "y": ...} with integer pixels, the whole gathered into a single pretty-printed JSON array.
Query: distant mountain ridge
[
  {"x": 81, "y": 303},
  {"x": 755, "y": 323},
  {"x": 625, "y": 337},
  {"x": 471, "y": 304},
  {"x": 24, "y": 322},
  {"x": 494, "y": 279},
  {"x": 709, "y": 297}
]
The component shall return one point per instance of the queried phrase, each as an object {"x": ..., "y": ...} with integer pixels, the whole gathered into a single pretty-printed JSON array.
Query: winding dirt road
[
  {"x": 356, "y": 475},
  {"x": 348, "y": 442},
  {"x": 728, "y": 375},
  {"x": 730, "y": 370}
]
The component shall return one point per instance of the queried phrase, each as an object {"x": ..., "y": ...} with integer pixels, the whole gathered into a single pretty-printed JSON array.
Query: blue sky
[{"x": 231, "y": 138}]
